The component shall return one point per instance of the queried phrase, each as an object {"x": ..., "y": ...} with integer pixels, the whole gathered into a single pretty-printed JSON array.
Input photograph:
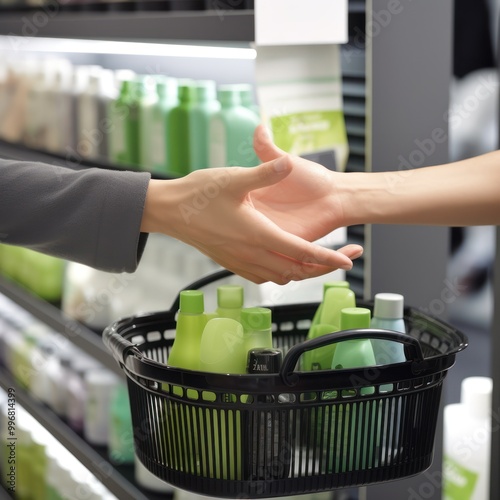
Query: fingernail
[
  {"x": 346, "y": 267},
  {"x": 280, "y": 164}
]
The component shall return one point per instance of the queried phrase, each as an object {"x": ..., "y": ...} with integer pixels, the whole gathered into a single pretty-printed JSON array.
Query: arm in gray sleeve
[{"x": 90, "y": 216}]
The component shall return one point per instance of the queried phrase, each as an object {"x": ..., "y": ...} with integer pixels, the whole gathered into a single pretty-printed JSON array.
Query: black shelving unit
[{"x": 222, "y": 25}]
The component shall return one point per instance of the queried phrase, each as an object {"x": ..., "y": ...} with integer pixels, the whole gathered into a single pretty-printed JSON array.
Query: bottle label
[{"x": 458, "y": 481}]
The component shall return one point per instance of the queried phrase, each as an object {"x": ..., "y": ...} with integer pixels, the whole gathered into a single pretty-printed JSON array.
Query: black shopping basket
[{"x": 255, "y": 436}]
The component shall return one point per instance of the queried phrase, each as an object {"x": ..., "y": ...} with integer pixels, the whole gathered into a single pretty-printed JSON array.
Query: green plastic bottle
[
  {"x": 178, "y": 148},
  {"x": 231, "y": 131},
  {"x": 205, "y": 106},
  {"x": 257, "y": 327},
  {"x": 327, "y": 320},
  {"x": 354, "y": 422},
  {"x": 191, "y": 320},
  {"x": 247, "y": 98},
  {"x": 166, "y": 88},
  {"x": 132, "y": 123},
  {"x": 121, "y": 435},
  {"x": 230, "y": 299}
]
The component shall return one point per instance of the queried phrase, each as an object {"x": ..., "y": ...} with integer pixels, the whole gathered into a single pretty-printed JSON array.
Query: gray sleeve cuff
[{"x": 90, "y": 216}]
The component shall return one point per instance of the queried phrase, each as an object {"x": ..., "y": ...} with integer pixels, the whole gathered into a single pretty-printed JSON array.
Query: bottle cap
[
  {"x": 388, "y": 306},
  {"x": 256, "y": 318},
  {"x": 476, "y": 396},
  {"x": 264, "y": 360},
  {"x": 191, "y": 302},
  {"x": 230, "y": 296},
  {"x": 335, "y": 284},
  {"x": 354, "y": 318}
]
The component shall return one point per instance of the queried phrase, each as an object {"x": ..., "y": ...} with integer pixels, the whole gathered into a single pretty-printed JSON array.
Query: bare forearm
[{"x": 463, "y": 193}]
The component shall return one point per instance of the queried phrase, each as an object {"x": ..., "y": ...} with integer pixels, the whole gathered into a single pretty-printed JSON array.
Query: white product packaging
[{"x": 467, "y": 442}]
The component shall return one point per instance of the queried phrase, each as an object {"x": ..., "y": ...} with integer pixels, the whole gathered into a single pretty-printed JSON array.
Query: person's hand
[
  {"x": 214, "y": 211},
  {"x": 305, "y": 202}
]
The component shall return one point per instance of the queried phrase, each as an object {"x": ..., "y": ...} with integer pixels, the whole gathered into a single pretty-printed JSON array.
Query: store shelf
[
  {"x": 82, "y": 337},
  {"x": 221, "y": 25},
  {"x": 115, "y": 478}
]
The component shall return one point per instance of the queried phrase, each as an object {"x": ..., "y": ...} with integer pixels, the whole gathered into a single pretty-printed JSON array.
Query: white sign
[{"x": 300, "y": 22}]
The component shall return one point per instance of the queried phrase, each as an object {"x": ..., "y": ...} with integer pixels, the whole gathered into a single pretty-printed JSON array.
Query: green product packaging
[
  {"x": 336, "y": 299},
  {"x": 206, "y": 105},
  {"x": 257, "y": 327},
  {"x": 247, "y": 98},
  {"x": 353, "y": 422},
  {"x": 326, "y": 286},
  {"x": 178, "y": 148},
  {"x": 185, "y": 353},
  {"x": 191, "y": 320},
  {"x": 166, "y": 89},
  {"x": 231, "y": 131},
  {"x": 230, "y": 300},
  {"x": 121, "y": 436}
]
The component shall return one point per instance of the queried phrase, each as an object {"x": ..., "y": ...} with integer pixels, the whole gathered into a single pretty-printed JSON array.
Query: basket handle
[
  {"x": 200, "y": 283},
  {"x": 413, "y": 350}
]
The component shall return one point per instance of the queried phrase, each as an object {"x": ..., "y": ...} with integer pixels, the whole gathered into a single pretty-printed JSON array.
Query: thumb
[
  {"x": 246, "y": 179},
  {"x": 264, "y": 146}
]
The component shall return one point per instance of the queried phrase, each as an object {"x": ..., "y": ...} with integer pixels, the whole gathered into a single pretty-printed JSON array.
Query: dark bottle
[{"x": 270, "y": 434}]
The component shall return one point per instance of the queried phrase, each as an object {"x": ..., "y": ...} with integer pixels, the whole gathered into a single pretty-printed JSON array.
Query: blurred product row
[
  {"x": 87, "y": 396},
  {"x": 127, "y": 5},
  {"x": 155, "y": 123},
  {"x": 97, "y": 298}
]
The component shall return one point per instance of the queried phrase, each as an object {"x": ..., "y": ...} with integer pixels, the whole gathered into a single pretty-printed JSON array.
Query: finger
[
  {"x": 264, "y": 146},
  {"x": 352, "y": 251},
  {"x": 246, "y": 179}
]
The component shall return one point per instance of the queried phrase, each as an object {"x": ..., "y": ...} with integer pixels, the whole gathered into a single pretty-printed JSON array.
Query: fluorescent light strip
[{"x": 66, "y": 45}]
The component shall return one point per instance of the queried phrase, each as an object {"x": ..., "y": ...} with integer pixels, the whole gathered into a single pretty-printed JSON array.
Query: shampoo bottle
[
  {"x": 222, "y": 351},
  {"x": 257, "y": 327},
  {"x": 148, "y": 103},
  {"x": 178, "y": 148},
  {"x": 206, "y": 105},
  {"x": 388, "y": 315},
  {"x": 336, "y": 296},
  {"x": 231, "y": 131},
  {"x": 353, "y": 422},
  {"x": 229, "y": 301},
  {"x": 191, "y": 320},
  {"x": 467, "y": 442}
]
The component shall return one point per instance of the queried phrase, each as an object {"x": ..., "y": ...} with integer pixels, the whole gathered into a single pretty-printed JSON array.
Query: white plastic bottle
[
  {"x": 388, "y": 315},
  {"x": 467, "y": 442}
]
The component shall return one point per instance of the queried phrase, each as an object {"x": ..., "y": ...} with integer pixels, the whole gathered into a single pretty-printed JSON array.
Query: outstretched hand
[
  {"x": 252, "y": 221},
  {"x": 305, "y": 202}
]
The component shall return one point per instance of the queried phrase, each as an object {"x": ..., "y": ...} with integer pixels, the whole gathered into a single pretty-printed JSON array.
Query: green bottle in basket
[
  {"x": 354, "y": 431},
  {"x": 336, "y": 296},
  {"x": 229, "y": 301},
  {"x": 222, "y": 351},
  {"x": 257, "y": 327},
  {"x": 191, "y": 320}
]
